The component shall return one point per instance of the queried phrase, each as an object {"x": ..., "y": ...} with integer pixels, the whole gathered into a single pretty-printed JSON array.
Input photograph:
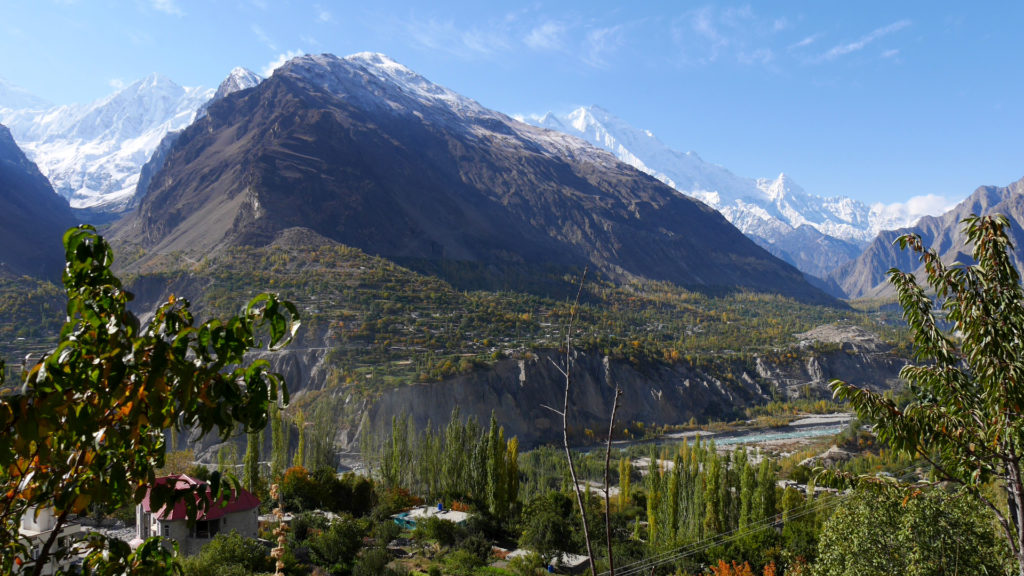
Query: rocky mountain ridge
[
  {"x": 866, "y": 276},
  {"x": 368, "y": 153},
  {"x": 239, "y": 79},
  {"x": 775, "y": 212}
]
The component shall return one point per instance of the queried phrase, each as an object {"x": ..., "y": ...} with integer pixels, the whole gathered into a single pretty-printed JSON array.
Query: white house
[
  {"x": 239, "y": 513},
  {"x": 36, "y": 527}
]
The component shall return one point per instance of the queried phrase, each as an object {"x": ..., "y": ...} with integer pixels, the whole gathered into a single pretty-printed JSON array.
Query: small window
[{"x": 167, "y": 531}]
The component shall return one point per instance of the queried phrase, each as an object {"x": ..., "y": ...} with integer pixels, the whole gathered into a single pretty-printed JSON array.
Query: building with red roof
[{"x": 238, "y": 512}]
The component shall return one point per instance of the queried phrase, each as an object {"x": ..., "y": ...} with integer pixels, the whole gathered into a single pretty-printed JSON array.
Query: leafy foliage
[
  {"x": 227, "y": 555},
  {"x": 550, "y": 523},
  {"x": 880, "y": 531},
  {"x": 968, "y": 387},
  {"x": 336, "y": 547},
  {"x": 87, "y": 426},
  {"x": 323, "y": 490}
]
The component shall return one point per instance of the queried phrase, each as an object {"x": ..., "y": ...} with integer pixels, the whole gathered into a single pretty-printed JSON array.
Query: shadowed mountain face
[
  {"x": 33, "y": 218},
  {"x": 369, "y": 154},
  {"x": 867, "y": 275}
]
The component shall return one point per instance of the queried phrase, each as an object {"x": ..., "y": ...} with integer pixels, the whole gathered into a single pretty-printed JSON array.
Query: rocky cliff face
[{"x": 518, "y": 391}]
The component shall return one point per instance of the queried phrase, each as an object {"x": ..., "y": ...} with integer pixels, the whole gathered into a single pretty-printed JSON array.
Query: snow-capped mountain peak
[
  {"x": 92, "y": 153},
  {"x": 238, "y": 79},
  {"x": 685, "y": 172},
  {"x": 380, "y": 80},
  {"x": 778, "y": 188},
  {"x": 769, "y": 210},
  {"x": 375, "y": 81}
]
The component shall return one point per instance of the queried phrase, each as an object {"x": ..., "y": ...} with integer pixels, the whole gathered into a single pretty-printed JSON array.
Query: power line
[
  {"x": 689, "y": 550},
  {"x": 642, "y": 566}
]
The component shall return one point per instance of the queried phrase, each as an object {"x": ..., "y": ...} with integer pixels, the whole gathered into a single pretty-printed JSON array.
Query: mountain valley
[{"x": 431, "y": 245}]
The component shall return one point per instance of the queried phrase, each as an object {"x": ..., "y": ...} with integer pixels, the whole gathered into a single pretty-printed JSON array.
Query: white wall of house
[
  {"x": 36, "y": 529},
  {"x": 191, "y": 541}
]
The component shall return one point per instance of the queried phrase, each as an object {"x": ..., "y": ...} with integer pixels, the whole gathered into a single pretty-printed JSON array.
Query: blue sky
[{"x": 880, "y": 101}]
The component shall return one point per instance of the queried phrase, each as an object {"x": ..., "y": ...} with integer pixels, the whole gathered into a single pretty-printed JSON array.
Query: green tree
[
  {"x": 444, "y": 532},
  {"x": 654, "y": 484},
  {"x": 454, "y": 460},
  {"x": 374, "y": 562},
  {"x": 799, "y": 523},
  {"x": 880, "y": 531},
  {"x": 278, "y": 443},
  {"x": 625, "y": 470},
  {"x": 229, "y": 554},
  {"x": 227, "y": 458},
  {"x": 321, "y": 452},
  {"x": 251, "y": 469},
  {"x": 764, "y": 493},
  {"x": 712, "y": 497},
  {"x": 87, "y": 425},
  {"x": 512, "y": 473},
  {"x": 548, "y": 524},
  {"x": 300, "y": 452},
  {"x": 966, "y": 416},
  {"x": 747, "y": 486},
  {"x": 396, "y": 454},
  {"x": 335, "y": 549},
  {"x": 497, "y": 497}
]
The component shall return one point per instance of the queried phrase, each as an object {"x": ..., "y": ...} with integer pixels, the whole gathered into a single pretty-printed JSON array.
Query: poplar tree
[
  {"x": 512, "y": 472},
  {"x": 712, "y": 497},
  {"x": 496, "y": 493},
  {"x": 479, "y": 470},
  {"x": 625, "y": 470},
  {"x": 278, "y": 443},
  {"x": 227, "y": 458},
  {"x": 300, "y": 451},
  {"x": 454, "y": 460},
  {"x": 748, "y": 482},
  {"x": 251, "y": 468},
  {"x": 764, "y": 494},
  {"x": 673, "y": 498},
  {"x": 396, "y": 454},
  {"x": 654, "y": 491}
]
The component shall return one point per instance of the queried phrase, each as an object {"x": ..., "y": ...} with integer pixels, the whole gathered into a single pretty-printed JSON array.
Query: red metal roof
[{"x": 239, "y": 501}]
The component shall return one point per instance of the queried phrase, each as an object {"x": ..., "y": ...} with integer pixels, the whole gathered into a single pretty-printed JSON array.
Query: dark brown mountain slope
[
  {"x": 367, "y": 153},
  {"x": 33, "y": 218}
]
